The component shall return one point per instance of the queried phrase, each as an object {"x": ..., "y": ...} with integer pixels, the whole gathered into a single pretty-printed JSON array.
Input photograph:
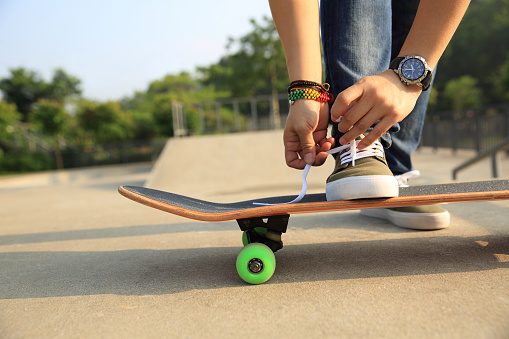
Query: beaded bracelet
[{"x": 309, "y": 90}]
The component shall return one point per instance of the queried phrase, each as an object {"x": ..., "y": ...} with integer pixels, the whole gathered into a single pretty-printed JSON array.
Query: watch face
[{"x": 412, "y": 69}]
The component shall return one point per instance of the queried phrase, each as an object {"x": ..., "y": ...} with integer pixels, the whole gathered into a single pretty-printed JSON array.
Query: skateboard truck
[{"x": 254, "y": 229}]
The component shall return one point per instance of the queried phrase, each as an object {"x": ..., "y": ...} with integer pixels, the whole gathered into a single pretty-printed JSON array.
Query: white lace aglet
[{"x": 403, "y": 178}]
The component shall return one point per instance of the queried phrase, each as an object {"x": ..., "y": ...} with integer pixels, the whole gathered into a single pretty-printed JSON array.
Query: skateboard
[{"x": 264, "y": 220}]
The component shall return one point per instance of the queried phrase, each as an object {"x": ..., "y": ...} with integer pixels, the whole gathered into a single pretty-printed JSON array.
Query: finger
[
  {"x": 326, "y": 144},
  {"x": 320, "y": 159},
  {"x": 323, "y": 146},
  {"x": 360, "y": 127},
  {"x": 295, "y": 161},
  {"x": 320, "y": 138},
  {"x": 345, "y": 101},
  {"x": 346, "y": 110},
  {"x": 307, "y": 144},
  {"x": 354, "y": 118},
  {"x": 298, "y": 153},
  {"x": 292, "y": 148},
  {"x": 380, "y": 129}
]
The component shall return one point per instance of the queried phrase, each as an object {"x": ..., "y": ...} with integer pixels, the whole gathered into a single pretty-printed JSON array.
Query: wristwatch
[{"x": 412, "y": 70}]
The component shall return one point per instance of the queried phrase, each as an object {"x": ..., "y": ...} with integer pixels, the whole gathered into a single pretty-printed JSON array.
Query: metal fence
[
  {"x": 478, "y": 129},
  {"x": 83, "y": 156},
  {"x": 114, "y": 153},
  {"x": 230, "y": 115}
]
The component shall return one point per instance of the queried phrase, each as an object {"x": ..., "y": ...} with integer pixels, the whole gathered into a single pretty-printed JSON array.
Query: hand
[
  {"x": 382, "y": 98},
  {"x": 305, "y": 135}
]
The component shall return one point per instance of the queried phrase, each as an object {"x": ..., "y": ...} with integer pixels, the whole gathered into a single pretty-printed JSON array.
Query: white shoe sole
[
  {"x": 361, "y": 187},
  {"x": 416, "y": 221}
]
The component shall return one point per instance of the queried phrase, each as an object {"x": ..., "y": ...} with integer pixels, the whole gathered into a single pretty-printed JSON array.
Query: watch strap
[
  {"x": 426, "y": 82},
  {"x": 395, "y": 63}
]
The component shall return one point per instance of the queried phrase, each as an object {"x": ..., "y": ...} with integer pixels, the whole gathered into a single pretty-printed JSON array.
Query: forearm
[
  {"x": 433, "y": 27},
  {"x": 297, "y": 22}
]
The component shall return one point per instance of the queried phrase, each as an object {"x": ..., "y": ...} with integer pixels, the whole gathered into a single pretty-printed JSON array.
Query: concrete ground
[{"x": 77, "y": 260}]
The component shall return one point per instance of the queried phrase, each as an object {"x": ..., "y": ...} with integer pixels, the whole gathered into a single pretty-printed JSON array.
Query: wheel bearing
[{"x": 255, "y": 265}]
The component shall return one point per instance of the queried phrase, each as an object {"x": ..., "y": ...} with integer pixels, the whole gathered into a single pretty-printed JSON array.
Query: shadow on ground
[{"x": 157, "y": 272}]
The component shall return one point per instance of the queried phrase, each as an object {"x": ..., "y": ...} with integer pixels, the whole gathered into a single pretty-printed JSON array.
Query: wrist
[
  {"x": 410, "y": 91},
  {"x": 303, "y": 110},
  {"x": 395, "y": 79}
]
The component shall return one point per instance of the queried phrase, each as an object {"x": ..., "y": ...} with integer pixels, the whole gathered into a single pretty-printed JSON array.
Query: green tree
[
  {"x": 433, "y": 99},
  {"x": 162, "y": 115},
  {"x": 174, "y": 85},
  {"x": 9, "y": 120},
  {"x": 463, "y": 92},
  {"x": 62, "y": 86},
  {"x": 144, "y": 127},
  {"x": 14, "y": 155},
  {"x": 51, "y": 118},
  {"x": 23, "y": 88},
  {"x": 255, "y": 64},
  {"x": 104, "y": 122},
  {"x": 478, "y": 47},
  {"x": 156, "y": 104},
  {"x": 502, "y": 80},
  {"x": 154, "y": 107}
]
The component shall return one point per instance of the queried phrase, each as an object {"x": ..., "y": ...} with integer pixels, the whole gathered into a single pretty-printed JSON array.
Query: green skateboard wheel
[{"x": 256, "y": 263}]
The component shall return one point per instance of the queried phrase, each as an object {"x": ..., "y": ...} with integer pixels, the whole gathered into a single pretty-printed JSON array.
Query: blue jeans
[{"x": 360, "y": 38}]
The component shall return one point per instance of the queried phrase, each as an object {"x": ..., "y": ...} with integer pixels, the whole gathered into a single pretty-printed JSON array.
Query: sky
[{"x": 117, "y": 47}]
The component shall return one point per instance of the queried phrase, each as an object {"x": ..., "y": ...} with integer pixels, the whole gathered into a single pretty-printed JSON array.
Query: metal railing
[
  {"x": 476, "y": 131},
  {"x": 263, "y": 112},
  {"x": 491, "y": 152},
  {"x": 485, "y": 130},
  {"x": 113, "y": 153}
]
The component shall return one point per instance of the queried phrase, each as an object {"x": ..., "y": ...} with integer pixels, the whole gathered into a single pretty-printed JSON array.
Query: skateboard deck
[
  {"x": 263, "y": 225},
  {"x": 416, "y": 195}
]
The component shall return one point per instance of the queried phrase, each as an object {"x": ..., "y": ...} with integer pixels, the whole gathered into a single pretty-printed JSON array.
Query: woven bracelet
[
  {"x": 299, "y": 83},
  {"x": 309, "y": 94}
]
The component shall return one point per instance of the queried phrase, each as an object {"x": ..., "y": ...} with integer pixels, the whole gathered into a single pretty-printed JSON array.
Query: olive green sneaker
[
  {"x": 360, "y": 174},
  {"x": 424, "y": 217}
]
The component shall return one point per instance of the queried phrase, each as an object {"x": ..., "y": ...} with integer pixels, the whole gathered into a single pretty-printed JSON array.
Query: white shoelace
[
  {"x": 403, "y": 178},
  {"x": 375, "y": 149}
]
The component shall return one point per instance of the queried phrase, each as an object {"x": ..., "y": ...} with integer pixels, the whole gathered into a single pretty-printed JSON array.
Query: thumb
[{"x": 308, "y": 152}]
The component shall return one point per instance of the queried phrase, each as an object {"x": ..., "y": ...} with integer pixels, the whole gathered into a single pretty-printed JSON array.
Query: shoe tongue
[{"x": 362, "y": 136}]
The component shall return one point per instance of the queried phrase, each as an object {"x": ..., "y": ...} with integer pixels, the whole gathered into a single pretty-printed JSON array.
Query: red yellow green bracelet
[{"x": 309, "y": 93}]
